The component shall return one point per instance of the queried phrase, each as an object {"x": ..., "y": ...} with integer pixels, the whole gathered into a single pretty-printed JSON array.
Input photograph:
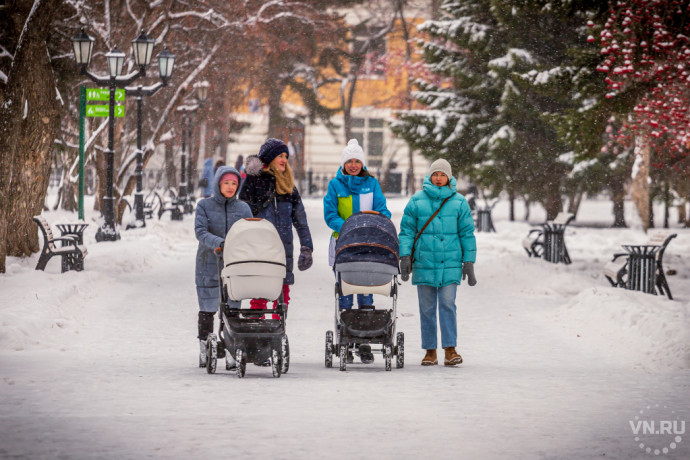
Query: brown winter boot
[
  {"x": 452, "y": 357},
  {"x": 430, "y": 358}
]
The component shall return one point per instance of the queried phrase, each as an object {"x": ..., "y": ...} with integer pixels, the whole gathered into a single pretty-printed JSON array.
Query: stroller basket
[
  {"x": 254, "y": 326},
  {"x": 366, "y": 323}
]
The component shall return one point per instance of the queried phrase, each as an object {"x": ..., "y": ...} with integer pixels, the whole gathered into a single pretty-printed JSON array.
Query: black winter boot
[
  {"x": 205, "y": 328},
  {"x": 205, "y": 324}
]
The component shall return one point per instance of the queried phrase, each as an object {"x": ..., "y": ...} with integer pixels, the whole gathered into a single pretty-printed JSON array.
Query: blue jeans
[
  {"x": 429, "y": 297},
  {"x": 345, "y": 302}
]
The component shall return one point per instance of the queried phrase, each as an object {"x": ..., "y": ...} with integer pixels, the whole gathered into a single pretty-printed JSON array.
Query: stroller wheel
[
  {"x": 241, "y": 363},
  {"x": 284, "y": 354},
  {"x": 343, "y": 357},
  {"x": 388, "y": 356},
  {"x": 211, "y": 353},
  {"x": 275, "y": 363},
  {"x": 329, "y": 348},
  {"x": 400, "y": 351}
]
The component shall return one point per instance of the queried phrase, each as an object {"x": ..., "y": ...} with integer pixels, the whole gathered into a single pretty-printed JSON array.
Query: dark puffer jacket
[
  {"x": 283, "y": 211},
  {"x": 214, "y": 217}
]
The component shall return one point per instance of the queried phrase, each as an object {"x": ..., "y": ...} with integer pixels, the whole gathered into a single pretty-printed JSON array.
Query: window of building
[
  {"x": 369, "y": 134},
  {"x": 374, "y": 49}
]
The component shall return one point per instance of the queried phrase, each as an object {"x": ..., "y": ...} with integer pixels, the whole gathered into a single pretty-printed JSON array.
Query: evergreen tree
[
  {"x": 587, "y": 122},
  {"x": 480, "y": 113}
]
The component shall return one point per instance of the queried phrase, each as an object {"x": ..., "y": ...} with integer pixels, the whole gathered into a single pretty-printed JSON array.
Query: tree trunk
[
  {"x": 275, "y": 113},
  {"x": 553, "y": 203},
  {"x": 640, "y": 182},
  {"x": 511, "y": 199},
  {"x": 170, "y": 171},
  {"x": 67, "y": 195},
  {"x": 29, "y": 123},
  {"x": 574, "y": 203},
  {"x": 682, "y": 214},
  {"x": 100, "y": 181},
  {"x": 618, "y": 197},
  {"x": 667, "y": 203}
]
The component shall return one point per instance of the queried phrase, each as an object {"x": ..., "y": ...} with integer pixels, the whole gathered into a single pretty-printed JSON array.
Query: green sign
[
  {"x": 103, "y": 94},
  {"x": 103, "y": 111}
]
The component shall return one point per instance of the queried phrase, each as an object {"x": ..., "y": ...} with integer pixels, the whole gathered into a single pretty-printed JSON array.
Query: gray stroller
[{"x": 366, "y": 262}]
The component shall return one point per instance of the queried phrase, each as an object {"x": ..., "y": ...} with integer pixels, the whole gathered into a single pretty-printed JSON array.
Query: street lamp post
[
  {"x": 143, "y": 48},
  {"x": 166, "y": 62},
  {"x": 188, "y": 111}
]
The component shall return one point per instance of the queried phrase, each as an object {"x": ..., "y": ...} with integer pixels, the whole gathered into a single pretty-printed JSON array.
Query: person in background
[
  {"x": 239, "y": 165},
  {"x": 218, "y": 164},
  {"x": 206, "y": 181},
  {"x": 352, "y": 190},
  {"x": 270, "y": 191},
  {"x": 437, "y": 227},
  {"x": 214, "y": 217}
]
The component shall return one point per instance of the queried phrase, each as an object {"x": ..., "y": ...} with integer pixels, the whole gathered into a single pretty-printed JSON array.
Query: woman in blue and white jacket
[{"x": 352, "y": 190}]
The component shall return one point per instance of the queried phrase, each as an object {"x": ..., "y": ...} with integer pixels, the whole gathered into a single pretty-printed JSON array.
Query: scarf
[{"x": 285, "y": 182}]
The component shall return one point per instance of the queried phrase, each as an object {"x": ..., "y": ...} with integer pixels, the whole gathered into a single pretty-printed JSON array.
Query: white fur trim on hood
[{"x": 253, "y": 166}]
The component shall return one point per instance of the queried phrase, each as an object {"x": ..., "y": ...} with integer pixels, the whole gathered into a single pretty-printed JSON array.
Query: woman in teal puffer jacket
[{"x": 444, "y": 254}]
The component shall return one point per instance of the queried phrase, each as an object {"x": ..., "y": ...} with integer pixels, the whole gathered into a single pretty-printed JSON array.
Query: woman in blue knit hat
[{"x": 270, "y": 191}]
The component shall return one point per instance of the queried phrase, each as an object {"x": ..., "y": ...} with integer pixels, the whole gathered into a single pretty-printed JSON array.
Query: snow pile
[{"x": 632, "y": 327}]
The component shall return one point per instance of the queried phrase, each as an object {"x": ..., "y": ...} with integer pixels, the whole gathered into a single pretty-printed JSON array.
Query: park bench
[
  {"x": 641, "y": 268},
  {"x": 549, "y": 240},
  {"x": 173, "y": 204},
  {"x": 482, "y": 218},
  {"x": 71, "y": 247}
]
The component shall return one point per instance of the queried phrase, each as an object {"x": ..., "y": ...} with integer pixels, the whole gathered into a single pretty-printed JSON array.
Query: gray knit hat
[{"x": 442, "y": 166}]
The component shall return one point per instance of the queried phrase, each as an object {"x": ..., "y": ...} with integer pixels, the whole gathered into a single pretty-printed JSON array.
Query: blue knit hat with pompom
[{"x": 271, "y": 149}]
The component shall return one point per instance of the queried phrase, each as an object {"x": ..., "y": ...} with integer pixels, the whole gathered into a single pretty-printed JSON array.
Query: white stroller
[
  {"x": 252, "y": 267},
  {"x": 366, "y": 262}
]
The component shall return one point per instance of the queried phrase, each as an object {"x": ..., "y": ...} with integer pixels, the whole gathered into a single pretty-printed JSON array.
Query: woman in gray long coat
[{"x": 214, "y": 217}]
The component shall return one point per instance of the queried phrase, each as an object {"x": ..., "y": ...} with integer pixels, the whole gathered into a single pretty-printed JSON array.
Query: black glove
[
  {"x": 468, "y": 272},
  {"x": 305, "y": 260},
  {"x": 203, "y": 182},
  {"x": 405, "y": 267}
]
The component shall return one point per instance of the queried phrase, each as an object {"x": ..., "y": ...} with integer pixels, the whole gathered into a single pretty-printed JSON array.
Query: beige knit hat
[{"x": 441, "y": 165}]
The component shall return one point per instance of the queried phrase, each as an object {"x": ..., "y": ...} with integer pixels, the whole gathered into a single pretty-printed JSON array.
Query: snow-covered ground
[{"x": 102, "y": 363}]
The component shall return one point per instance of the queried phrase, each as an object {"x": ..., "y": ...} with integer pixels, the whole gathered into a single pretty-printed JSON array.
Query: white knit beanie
[
  {"x": 352, "y": 151},
  {"x": 441, "y": 165}
]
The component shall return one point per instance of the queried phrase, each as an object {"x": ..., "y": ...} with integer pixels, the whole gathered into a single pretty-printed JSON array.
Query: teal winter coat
[{"x": 447, "y": 241}]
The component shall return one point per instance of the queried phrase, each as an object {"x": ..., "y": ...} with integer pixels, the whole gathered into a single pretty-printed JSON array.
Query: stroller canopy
[
  {"x": 367, "y": 237},
  {"x": 254, "y": 260},
  {"x": 251, "y": 241}
]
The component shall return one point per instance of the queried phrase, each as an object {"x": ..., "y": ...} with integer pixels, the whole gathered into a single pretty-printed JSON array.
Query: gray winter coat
[{"x": 214, "y": 217}]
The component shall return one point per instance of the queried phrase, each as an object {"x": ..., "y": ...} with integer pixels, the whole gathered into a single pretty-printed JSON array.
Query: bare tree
[{"x": 29, "y": 121}]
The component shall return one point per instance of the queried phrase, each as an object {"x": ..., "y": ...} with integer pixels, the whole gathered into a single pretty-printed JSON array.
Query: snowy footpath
[{"x": 558, "y": 365}]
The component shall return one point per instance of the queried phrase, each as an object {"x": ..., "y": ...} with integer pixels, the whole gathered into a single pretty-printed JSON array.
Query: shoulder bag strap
[{"x": 427, "y": 223}]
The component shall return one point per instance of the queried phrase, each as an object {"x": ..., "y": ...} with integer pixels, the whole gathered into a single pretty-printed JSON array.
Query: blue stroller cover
[{"x": 366, "y": 253}]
